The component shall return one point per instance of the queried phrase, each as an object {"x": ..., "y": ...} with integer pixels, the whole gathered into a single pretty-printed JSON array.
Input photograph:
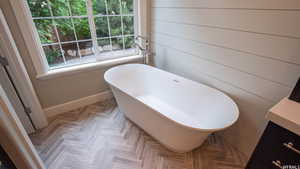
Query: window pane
[
  {"x": 101, "y": 27},
  {"x": 82, "y": 28},
  {"x": 99, "y": 7},
  {"x": 86, "y": 48},
  {"x": 78, "y": 7},
  {"x": 117, "y": 43},
  {"x": 128, "y": 25},
  {"x": 104, "y": 45},
  {"x": 115, "y": 25},
  {"x": 74, "y": 33},
  {"x": 70, "y": 52},
  {"x": 113, "y": 7},
  {"x": 65, "y": 30},
  {"x": 53, "y": 55},
  {"x": 127, "y": 6},
  {"x": 39, "y": 8},
  {"x": 59, "y": 7},
  {"x": 45, "y": 30},
  {"x": 129, "y": 41}
]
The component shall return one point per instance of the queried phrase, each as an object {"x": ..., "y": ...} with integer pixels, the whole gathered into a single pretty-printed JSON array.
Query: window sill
[{"x": 56, "y": 73}]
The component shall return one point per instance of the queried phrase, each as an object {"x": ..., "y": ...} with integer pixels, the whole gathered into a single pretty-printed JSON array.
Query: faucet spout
[
  {"x": 139, "y": 46},
  {"x": 142, "y": 38}
]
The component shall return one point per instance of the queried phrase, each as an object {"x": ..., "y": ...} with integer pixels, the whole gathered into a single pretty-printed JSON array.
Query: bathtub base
[
  {"x": 171, "y": 135},
  {"x": 166, "y": 146}
]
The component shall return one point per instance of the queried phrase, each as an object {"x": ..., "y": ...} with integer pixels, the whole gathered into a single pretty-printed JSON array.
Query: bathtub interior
[
  {"x": 130, "y": 81},
  {"x": 181, "y": 100}
]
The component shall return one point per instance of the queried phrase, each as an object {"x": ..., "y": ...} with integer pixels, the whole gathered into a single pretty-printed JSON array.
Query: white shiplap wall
[{"x": 248, "y": 49}]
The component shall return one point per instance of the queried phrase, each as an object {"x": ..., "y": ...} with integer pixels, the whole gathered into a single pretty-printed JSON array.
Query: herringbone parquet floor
[{"x": 99, "y": 137}]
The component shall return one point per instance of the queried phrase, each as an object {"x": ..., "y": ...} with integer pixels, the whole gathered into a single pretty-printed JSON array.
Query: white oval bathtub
[{"x": 178, "y": 112}]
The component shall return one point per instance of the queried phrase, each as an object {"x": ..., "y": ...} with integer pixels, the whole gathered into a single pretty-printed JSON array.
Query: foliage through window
[{"x": 82, "y": 31}]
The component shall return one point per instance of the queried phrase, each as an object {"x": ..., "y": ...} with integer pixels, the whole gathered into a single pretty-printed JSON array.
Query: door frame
[
  {"x": 14, "y": 97},
  {"x": 14, "y": 139},
  {"x": 19, "y": 75}
]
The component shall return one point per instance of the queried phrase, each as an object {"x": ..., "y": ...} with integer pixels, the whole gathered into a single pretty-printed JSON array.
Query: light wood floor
[{"x": 99, "y": 137}]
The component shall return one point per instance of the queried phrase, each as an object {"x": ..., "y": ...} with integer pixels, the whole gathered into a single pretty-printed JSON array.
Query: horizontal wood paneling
[
  {"x": 249, "y": 50},
  {"x": 279, "y": 48},
  {"x": 253, "y": 4},
  {"x": 240, "y": 69},
  {"x": 283, "y": 23},
  {"x": 250, "y": 63},
  {"x": 190, "y": 67}
]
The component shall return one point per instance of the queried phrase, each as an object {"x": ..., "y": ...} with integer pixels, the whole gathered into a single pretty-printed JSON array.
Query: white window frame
[{"x": 31, "y": 37}]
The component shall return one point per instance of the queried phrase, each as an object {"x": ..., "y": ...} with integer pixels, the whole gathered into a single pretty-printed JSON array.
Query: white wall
[{"x": 248, "y": 49}]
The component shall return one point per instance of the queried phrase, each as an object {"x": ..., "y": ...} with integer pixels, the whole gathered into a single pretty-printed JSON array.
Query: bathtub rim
[{"x": 174, "y": 121}]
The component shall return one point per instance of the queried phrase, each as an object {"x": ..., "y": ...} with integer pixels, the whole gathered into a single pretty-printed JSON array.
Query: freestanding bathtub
[{"x": 177, "y": 112}]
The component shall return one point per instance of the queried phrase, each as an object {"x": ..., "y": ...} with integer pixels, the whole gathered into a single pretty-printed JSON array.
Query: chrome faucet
[
  {"x": 145, "y": 51},
  {"x": 139, "y": 46},
  {"x": 142, "y": 37}
]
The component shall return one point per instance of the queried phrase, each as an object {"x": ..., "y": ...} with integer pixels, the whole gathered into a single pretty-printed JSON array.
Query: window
[{"x": 75, "y": 32}]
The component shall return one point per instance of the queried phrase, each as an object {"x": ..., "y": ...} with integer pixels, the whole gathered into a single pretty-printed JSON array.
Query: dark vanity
[
  {"x": 279, "y": 146},
  {"x": 5, "y": 161}
]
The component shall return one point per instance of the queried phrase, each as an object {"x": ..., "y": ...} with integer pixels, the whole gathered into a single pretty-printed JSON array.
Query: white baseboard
[{"x": 75, "y": 104}]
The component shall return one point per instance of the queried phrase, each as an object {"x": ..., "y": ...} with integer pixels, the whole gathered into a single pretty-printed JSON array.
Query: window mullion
[
  {"x": 122, "y": 24},
  {"x": 74, "y": 31},
  {"x": 108, "y": 25},
  {"x": 136, "y": 14},
  {"x": 56, "y": 32},
  {"x": 89, "y": 6}
]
